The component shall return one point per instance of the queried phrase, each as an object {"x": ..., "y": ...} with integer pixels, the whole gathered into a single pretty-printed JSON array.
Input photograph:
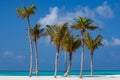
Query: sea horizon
[{"x": 51, "y": 73}]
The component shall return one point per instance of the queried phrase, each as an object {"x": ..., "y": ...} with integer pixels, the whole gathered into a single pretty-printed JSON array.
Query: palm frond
[
  {"x": 71, "y": 44},
  {"x": 92, "y": 27},
  {"x": 93, "y": 44},
  {"x": 57, "y": 33},
  {"x": 31, "y": 9},
  {"x": 24, "y": 8},
  {"x": 36, "y": 32},
  {"x": 88, "y": 22},
  {"x": 26, "y": 12},
  {"x": 76, "y": 44},
  {"x": 83, "y": 24},
  {"x": 98, "y": 40},
  {"x": 75, "y": 26},
  {"x": 21, "y": 13}
]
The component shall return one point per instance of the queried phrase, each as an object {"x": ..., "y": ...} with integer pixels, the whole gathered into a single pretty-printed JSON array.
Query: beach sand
[{"x": 103, "y": 77}]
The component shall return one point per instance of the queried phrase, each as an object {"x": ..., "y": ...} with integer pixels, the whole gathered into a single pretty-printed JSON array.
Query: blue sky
[{"x": 14, "y": 46}]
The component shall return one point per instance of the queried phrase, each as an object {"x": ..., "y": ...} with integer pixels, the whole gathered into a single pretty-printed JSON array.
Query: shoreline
[{"x": 73, "y": 77}]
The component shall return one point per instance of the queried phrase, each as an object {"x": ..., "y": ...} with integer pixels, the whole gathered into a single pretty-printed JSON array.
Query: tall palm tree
[
  {"x": 25, "y": 14},
  {"x": 92, "y": 45},
  {"x": 37, "y": 33},
  {"x": 70, "y": 45},
  {"x": 57, "y": 34},
  {"x": 83, "y": 24}
]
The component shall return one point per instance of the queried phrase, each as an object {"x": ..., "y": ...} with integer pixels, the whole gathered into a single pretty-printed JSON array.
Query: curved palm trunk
[
  {"x": 69, "y": 67},
  {"x": 65, "y": 63},
  {"x": 82, "y": 57},
  {"x": 36, "y": 55},
  {"x": 91, "y": 63},
  {"x": 56, "y": 61},
  {"x": 31, "y": 51}
]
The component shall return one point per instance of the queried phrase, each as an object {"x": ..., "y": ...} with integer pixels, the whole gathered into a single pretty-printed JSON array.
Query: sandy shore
[{"x": 103, "y": 77}]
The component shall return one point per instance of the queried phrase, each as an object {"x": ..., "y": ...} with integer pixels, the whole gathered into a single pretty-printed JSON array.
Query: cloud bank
[{"x": 58, "y": 16}]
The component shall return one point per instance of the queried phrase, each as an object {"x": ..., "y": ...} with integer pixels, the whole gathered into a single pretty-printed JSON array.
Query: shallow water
[{"x": 51, "y": 73}]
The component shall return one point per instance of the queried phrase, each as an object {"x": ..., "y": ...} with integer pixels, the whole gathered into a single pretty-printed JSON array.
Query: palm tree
[
  {"x": 70, "y": 45},
  {"x": 57, "y": 34},
  {"x": 25, "y": 14},
  {"x": 92, "y": 45},
  {"x": 83, "y": 24},
  {"x": 37, "y": 33}
]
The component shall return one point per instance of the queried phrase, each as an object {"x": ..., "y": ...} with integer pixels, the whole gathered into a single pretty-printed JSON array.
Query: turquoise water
[{"x": 51, "y": 73}]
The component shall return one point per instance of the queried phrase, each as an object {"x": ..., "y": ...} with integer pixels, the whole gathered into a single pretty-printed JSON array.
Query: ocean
[{"x": 51, "y": 73}]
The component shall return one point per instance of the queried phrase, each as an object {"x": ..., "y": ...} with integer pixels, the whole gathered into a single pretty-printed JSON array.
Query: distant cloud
[
  {"x": 113, "y": 42},
  {"x": 105, "y": 10},
  {"x": 10, "y": 54},
  {"x": 19, "y": 57},
  {"x": 50, "y": 18},
  {"x": 58, "y": 16}
]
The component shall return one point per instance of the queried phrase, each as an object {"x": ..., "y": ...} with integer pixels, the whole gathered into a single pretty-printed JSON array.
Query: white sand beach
[{"x": 103, "y": 77}]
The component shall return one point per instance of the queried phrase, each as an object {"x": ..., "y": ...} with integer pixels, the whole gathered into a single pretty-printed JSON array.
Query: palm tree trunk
[
  {"x": 31, "y": 51},
  {"x": 65, "y": 63},
  {"x": 91, "y": 63},
  {"x": 82, "y": 56},
  {"x": 36, "y": 55},
  {"x": 69, "y": 67},
  {"x": 56, "y": 61}
]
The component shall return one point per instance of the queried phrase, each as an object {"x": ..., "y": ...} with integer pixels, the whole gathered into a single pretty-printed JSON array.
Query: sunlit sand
[{"x": 97, "y": 77}]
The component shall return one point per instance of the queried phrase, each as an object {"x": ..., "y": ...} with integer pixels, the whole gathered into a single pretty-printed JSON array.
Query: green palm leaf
[
  {"x": 26, "y": 12},
  {"x": 83, "y": 24},
  {"x": 57, "y": 33},
  {"x": 93, "y": 44},
  {"x": 71, "y": 43},
  {"x": 36, "y": 32}
]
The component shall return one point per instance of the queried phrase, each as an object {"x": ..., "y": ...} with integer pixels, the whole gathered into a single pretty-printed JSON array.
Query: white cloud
[
  {"x": 104, "y": 10},
  {"x": 58, "y": 16},
  {"x": 113, "y": 42},
  {"x": 50, "y": 18},
  {"x": 79, "y": 12}
]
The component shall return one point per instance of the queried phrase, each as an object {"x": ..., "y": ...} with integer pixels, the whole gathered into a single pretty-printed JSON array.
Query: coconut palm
[
  {"x": 57, "y": 34},
  {"x": 83, "y": 24},
  {"x": 70, "y": 45},
  {"x": 25, "y": 14},
  {"x": 92, "y": 45},
  {"x": 37, "y": 33}
]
